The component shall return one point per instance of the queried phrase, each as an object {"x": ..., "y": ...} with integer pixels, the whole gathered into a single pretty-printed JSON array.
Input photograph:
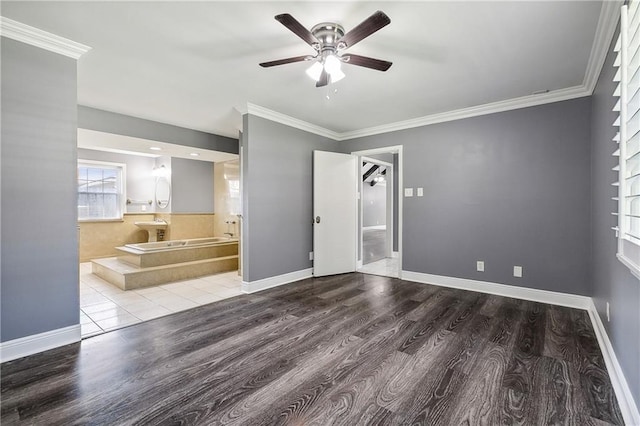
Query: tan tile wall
[
  {"x": 99, "y": 239},
  {"x": 183, "y": 226},
  {"x": 225, "y": 205}
]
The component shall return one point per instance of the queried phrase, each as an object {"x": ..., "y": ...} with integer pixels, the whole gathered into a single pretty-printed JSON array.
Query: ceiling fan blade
[
  {"x": 324, "y": 79},
  {"x": 365, "y": 61},
  {"x": 367, "y": 27},
  {"x": 297, "y": 28},
  {"x": 284, "y": 61}
]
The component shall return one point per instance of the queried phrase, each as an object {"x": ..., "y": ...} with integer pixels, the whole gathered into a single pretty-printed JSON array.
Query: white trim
[
  {"x": 35, "y": 37},
  {"x": 543, "y": 296},
  {"x": 265, "y": 283},
  {"x": 394, "y": 255},
  {"x": 607, "y": 23},
  {"x": 633, "y": 267},
  {"x": 291, "y": 121},
  {"x": 623, "y": 393},
  {"x": 379, "y": 227},
  {"x": 359, "y": 264},
  {"x": 627, "y": 405},
  {"x": 29, "y": 345},
  {"x": 491, "y": 108},
  {"x": 394, "y": 149}
]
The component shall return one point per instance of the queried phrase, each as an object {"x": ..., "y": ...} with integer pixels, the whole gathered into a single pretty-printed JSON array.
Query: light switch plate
[
  {"x": 420, "y": 192},
  {"x": 408, "y": 192},
  {"x": 480, "y": 266},
  {"x": 517, "y": 271}
]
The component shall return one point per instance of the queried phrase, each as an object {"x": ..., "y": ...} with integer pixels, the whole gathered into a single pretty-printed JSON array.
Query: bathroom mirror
[{"x": 163, "y": 192}]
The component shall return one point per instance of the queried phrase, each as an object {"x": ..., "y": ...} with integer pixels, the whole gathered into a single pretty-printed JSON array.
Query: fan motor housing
[{"x": 328, "y": 34}]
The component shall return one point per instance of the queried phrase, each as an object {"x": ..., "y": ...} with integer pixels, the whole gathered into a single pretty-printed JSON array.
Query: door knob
[{"x": 317, "y": 219}]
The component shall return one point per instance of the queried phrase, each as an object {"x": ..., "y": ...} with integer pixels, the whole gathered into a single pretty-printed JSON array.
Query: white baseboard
[
  {"x": 379, "y": 227},
  {"x": 29, "y": 345},
  {"x": 627, "y": 405},
  {"x": 359, "y": 264},
  {"x": 621, "y": 388},
  {"x": 263, "y": 284},
  {"x": 544, "y": 296}
]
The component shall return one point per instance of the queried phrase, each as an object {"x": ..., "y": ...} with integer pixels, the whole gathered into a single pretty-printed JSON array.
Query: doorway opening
[
  {"x": 379, "y": 236},
  {"x": 158, "y": 233}
]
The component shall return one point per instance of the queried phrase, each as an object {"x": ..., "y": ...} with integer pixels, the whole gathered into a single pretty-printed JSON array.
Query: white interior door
[{"x": 335, "y": 180}]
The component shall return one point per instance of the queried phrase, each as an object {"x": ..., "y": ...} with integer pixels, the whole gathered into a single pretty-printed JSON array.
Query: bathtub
[
  {"x": 149, "y": 264},
  {"x": 176, "y": 244}
]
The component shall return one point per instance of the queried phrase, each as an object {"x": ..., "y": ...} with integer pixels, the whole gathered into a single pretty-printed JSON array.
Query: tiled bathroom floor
[{"x": 105, "y": 307}]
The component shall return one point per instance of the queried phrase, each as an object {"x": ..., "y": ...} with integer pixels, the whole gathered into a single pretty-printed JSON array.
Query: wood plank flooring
[
  {"x": 351, "y": 349},
  {"x": 373, "y": 245}
]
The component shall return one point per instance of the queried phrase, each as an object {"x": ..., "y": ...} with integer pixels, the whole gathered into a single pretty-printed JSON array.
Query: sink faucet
[{"x": 230, "y": 234}]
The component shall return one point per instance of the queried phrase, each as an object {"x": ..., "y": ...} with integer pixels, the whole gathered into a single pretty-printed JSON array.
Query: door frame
[
  {"x": 388, "y": 205},
  {"x": 394, "y": 149}
]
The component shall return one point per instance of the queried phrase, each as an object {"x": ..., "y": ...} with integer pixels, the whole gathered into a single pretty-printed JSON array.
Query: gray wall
[
  {"x": 612, "y": 281},
  {"x": 140, "y": 182},
  {"x": 191, "y": 186},
  {"x": 374, "y": 203},
  {"x": 507, "y": 188},
  {"x": 278, "y": 199},
  {"x": 110, "y": 122},
  {"x": 39, "y": 266}
]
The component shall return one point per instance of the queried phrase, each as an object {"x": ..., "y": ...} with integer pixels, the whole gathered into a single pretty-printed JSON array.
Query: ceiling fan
[{"x": 329, "y": 40}]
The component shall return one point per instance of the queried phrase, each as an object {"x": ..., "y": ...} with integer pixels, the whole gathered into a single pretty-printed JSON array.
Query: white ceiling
[
  {"x": 191, "y": 63},
  {"x": 91, "y": 139}
]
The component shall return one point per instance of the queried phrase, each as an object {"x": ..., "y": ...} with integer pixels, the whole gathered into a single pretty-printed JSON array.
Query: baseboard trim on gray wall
[
  {"x": 29, "y": 345},
  {"x": 544, "y": 296},
  {"x": 263, "y": 284},
  {"x": 621, "y": 388}
]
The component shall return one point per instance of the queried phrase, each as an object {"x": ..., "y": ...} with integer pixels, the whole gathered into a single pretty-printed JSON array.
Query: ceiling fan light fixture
[
  {"x": 336, "y": 76},
  {"x": 314, "y": 71},
  {"x": 332, "y": 64}
]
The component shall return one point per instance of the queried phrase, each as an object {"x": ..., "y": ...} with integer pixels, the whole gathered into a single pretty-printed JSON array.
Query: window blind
[{"x": 627, "y": 138}]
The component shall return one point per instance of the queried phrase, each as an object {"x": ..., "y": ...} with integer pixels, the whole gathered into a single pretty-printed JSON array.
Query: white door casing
[{"x": 335, "y": 180}]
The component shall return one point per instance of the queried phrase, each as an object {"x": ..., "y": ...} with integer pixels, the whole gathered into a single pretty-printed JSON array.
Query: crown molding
[
  {"x": 291, "y": 121},
  {"x": 607, "y": 24},
  {"x": 26, "y": 34},
  {"x": 491, "y": 108}
]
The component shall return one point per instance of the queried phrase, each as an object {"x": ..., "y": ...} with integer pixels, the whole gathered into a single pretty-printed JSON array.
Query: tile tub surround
[
  {"x": 98, "y": 239},
  {"x": 226, "y": 197},
  {"x": 136, "y": 268},
  {"x": 176, "y": 255},
  {"x": 105, "y": 307},
  {"x": 183, "y": 226}
]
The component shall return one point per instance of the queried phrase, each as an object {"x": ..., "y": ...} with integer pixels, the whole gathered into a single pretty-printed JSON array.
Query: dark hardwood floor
[
  {"x": 351, "y": 349},
  {"x": 373, "y": 245}
]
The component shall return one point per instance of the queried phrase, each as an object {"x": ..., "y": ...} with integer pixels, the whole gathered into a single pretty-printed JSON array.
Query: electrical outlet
[
  {"x": 480, "y": 266},
  {"x": 408, "y": 192},
  {"x": 517, "y": 271},
  {"x": 310, "y": 255},
  {"x": 608, "y": 313},
  {"x": 420, "y": 192}
]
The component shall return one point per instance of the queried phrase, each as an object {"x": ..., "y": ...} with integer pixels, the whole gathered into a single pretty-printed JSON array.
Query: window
[
  {"x": 628, "y": 137},
  {"x": 100, "y": 190}
]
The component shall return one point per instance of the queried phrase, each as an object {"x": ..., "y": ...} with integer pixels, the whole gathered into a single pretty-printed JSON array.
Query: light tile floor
[
  {"x": 387, "y": 267},
  {"x": 105, "y": 307}
]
